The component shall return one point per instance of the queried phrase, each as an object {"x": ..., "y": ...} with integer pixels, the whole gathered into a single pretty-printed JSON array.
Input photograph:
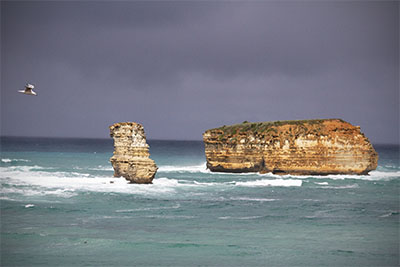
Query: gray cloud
[{"x": 182, "y": 67}]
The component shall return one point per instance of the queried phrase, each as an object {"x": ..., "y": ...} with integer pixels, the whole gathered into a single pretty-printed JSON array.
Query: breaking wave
[
  {"x": 202, "y": 168},
  {"x": 391, "y": 213},
  {"x": 36, "y": 181},
  {"x": 192, "y": 169},
  {"x": 148, "y": 208},
  {"x": 341, "y": 186},
  {"x": 240, "y": 218},
  {"x": 47, "y": 181},
  {"x": 14, "y": 160},
  {"x": 67, "y": 184},
  {"x": 372, "y": 176},
  {"x": 254, "y": 199}
]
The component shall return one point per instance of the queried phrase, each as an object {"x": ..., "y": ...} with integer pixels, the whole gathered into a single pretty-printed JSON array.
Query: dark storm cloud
[{"x": 182, "y": 67}]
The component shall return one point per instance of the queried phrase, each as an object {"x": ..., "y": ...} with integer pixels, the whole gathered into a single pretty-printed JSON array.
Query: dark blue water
[{"x": 59, "y": 208}]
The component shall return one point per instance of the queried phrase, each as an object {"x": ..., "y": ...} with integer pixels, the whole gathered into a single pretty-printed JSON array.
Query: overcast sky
[{"x": 180, "y": 68}]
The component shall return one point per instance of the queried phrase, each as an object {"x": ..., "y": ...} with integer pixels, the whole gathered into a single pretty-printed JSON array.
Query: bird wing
[{"x": 30, "y": 86}]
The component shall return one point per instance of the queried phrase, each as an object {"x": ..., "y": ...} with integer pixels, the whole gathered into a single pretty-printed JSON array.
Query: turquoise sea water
[{"x": 59, "y": 208}]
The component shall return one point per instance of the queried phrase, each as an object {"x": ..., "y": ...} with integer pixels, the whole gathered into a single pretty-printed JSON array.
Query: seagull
[{"x": 28, "y": 89}]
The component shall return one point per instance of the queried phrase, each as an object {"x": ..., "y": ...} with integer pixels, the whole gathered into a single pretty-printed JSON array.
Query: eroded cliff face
[
  {"x": 328, "y": 146},
  {"x": 131, "y": 153}
]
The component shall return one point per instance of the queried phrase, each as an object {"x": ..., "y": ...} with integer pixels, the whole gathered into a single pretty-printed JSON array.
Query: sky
[{"x": 180, "y": 67}]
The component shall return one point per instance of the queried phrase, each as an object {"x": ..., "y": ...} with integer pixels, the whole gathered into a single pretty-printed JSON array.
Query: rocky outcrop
[
  {"x": 327, "y": 146},
  {"x": 131, "y": 153}
]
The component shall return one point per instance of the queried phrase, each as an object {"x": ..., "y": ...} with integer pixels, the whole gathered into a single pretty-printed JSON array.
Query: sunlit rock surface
[
  {"x": 131, "y": 153},
  {"x": 306, "y": 147}
]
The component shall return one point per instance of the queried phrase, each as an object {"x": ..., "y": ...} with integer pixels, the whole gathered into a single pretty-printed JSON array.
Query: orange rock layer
[{"x": 308, "y": 147}]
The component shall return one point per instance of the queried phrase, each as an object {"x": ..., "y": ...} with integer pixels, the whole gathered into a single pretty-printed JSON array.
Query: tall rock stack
[
  {"x": 327, "y": 146},
  {"x": 131, "y": 153}
]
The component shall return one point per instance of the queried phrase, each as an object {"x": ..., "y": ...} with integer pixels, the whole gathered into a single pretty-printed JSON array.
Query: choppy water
[{"x": 61, "y": 206}]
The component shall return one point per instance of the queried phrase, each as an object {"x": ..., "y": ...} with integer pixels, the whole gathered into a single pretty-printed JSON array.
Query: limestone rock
[
  {"x": 327, "y": 146},
  {"x": 131, "y": 153}
]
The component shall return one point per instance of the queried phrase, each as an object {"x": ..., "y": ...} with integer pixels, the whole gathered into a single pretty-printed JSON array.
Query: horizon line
[
  {"x": 150, "y": 139},
  {"x": 99, "y": 138}
]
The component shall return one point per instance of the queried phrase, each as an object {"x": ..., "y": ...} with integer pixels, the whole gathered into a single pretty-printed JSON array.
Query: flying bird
[{"x": 28, "y": 90}]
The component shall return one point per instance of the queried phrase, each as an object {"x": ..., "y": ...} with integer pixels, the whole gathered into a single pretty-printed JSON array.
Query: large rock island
[
  {"x": 306, "y": 147},
  {"x": 131, "y": 153}
]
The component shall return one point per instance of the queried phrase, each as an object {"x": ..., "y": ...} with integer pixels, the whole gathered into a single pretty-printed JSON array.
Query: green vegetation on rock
[{"x": 265, "y": 127}]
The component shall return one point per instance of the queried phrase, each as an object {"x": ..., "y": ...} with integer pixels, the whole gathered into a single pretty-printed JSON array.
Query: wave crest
[
  {"x": 14, "y": 160},
  {"x": 192, "y": 168}
]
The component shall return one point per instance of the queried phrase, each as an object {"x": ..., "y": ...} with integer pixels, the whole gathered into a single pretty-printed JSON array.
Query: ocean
[{"x": 61, "y": 206}]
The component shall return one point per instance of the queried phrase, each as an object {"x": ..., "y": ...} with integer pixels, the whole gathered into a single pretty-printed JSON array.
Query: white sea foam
[
  {"x": 7, "y": 198},
  {"x": 266, "y": 182},
  {"x": 379, "y": 175},
  {"x": 148, "y": 208},
  {"x": 37, "y": 180},
  {"x": 116, "y": 217},
  {"x": 372, "y": 176},
  {"x": 391, "y": 166},
  {"x": 23, "y": 168},
  {"x": 29, "y": 206},
  {"x": 170, "y": 216},
  {"x": 66, "y": 193},
  {"x": 254, "y": 199},
  {"x": 192, "y": 169},
  {"x": 320, "y": 214},
  {"x": 341, "y": 186},
  {"x": 272, "y": 182},
  {"x": 63, "y": 183},
  {"x": 239, "y": 218},
  {"x": 66, "y": 184},
  {"x": 391, "y": 213},
  {"x": 47, "y": 183},
  {"x": 212, "y": 183},
  {"x": 202, "y": 168},
  {"x": 14, "y": 160},
  {"x": 34, "y": 181}
]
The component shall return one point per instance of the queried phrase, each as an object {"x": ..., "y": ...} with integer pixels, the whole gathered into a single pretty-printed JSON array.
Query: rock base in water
[{"x": 131, "y": 153}]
